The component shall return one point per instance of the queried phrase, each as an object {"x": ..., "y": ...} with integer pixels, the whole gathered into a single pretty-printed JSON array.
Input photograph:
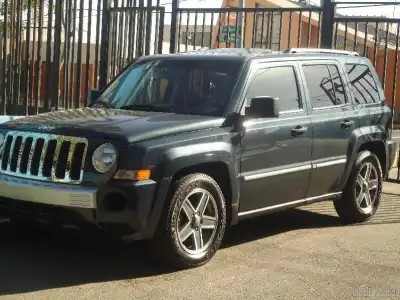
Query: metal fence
[
  {"x": 135, "y": 31},
  {"x": 54, "y": 51},
  {"x": 377, "y": 39},
  {"x": 50, "y": 54}
]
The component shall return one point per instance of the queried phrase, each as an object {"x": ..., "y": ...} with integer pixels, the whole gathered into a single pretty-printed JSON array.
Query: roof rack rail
[{"x": 317, "y": 50}]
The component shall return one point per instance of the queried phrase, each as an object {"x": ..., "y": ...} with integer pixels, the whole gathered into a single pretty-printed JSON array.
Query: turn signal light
[{"x": 139, "y": 175}]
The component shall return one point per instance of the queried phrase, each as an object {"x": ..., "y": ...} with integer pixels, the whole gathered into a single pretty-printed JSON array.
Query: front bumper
[
  {"x": 47, "y": 193},
  {"x": 83, "y": 206}
]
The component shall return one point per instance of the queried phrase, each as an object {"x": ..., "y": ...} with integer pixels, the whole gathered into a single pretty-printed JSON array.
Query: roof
[
  {"x": 230, "y": 51},
  {"x": 244, "y": 54}
]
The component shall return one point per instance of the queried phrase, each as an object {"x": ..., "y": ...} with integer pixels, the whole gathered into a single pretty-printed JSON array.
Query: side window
[
  {"x": 337, "y": 85},
  {"x": 363, "y": 85},
  {"x": 319, "y": 85},
  {"x": 277, "y": 82}
]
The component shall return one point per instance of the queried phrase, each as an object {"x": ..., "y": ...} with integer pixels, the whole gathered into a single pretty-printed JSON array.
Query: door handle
[
  {"x": 299, "y": 130},
  {"x": 346, "y": 124}
]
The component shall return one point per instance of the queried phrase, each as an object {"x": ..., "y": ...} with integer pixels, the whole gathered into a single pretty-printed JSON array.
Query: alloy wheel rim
[
  {"x": 197, "y": 221},
  {"x": 366, "y": 190}
]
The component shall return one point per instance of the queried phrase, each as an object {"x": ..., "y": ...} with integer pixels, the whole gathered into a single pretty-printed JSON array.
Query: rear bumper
[
  {"x": 391, "y": 151},
  {"x": 84, "y": 207}
]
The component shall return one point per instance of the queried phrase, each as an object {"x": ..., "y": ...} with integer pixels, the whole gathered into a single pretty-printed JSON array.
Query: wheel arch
[
  {"x": 374, "y": 145},
  {"x": 214, "y": 159}
]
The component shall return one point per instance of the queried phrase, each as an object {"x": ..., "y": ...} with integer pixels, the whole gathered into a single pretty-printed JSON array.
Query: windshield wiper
[{"x": 146, "y": 107}]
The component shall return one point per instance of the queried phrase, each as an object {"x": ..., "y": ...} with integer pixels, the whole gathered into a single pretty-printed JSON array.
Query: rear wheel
[
  {"x": 361, "y": 196},
  {"x": 192, "y": 227}
]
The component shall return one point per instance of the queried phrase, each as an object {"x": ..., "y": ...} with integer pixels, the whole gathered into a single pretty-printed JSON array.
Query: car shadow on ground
[
  {"x": 273, "y": 224},
  {"x": 33, "y": 260}
]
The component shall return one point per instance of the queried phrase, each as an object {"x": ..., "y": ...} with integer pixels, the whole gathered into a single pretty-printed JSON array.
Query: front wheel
[
  {"x": 192, "y": 227},
  {"x": 361, "y": 196}
]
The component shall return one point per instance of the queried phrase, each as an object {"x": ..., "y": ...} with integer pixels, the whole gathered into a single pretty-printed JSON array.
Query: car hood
[{"x": 128, "y": 126}]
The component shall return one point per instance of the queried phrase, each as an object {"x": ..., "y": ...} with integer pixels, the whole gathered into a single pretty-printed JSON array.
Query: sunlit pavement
[
  {"x": 396, "y": 135},
  {"x": 300, "y": 254}
]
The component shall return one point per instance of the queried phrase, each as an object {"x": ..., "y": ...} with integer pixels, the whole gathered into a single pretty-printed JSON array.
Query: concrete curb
[
  {"x": 391, "y": 188},
  {"x": 396, "y": 160}
]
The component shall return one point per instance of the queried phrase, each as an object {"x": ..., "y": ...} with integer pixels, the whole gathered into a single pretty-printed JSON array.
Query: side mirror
[
  {"x": 92, "y": 96},
  {"x": 263, "y": 107}
]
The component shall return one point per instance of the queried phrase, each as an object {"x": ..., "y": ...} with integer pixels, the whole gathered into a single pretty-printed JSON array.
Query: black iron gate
[{"x": 132, "y": 32}]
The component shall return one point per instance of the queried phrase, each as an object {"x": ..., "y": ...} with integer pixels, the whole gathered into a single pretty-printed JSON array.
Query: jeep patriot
[{"x": 177, "y": 147}]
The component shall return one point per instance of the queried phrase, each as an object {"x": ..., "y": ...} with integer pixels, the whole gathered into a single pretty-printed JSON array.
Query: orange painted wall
[
  {"x": 390, "y": 70},
  {"x": 72, "y": 86}
]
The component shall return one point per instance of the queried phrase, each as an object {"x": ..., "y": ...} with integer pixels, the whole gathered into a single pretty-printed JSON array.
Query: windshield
[{"x": 202, "y": 87}]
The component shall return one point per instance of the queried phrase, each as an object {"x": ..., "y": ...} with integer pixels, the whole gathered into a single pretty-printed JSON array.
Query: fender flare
[
  {"x": 175, "y": 159},
  {"x": 372, "y": 135}
]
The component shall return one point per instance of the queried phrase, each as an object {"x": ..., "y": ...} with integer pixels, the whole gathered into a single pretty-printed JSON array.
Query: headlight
[
  {"x": 2, "y": 139},
  {"x": 104, "y": 157}
]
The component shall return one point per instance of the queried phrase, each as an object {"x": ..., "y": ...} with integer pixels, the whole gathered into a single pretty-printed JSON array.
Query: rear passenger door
[
  {"x": 275, "y": 152},
  {"x": 334, "y": 121}
]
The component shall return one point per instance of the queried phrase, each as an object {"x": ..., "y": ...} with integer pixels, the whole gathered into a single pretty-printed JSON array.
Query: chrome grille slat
[
  {"x": 55, "y": 160},
  {"x": 14, "y": 141},
  {"x": 30, "y": 157},
  {"x": 43, "y": 155},
  {"x": 37, "y": 162},
  {"x": 21, "y": 152},
  {"x": 72, "y": 148}
]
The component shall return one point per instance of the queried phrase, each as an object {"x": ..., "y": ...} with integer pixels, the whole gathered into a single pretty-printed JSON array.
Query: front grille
[{"x": 44, "y": 157}]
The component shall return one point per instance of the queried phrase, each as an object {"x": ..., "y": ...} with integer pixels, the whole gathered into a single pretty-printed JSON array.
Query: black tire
[
  {"x": 346, "y": 206},
  {"x": 167, "y": 245}
]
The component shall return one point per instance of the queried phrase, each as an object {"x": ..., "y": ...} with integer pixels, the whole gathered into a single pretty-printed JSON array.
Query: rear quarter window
[{"x": 362, "y": 84}]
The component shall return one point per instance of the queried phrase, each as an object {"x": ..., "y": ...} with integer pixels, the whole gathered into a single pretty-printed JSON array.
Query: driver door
[{"x": 276, "y": 153}]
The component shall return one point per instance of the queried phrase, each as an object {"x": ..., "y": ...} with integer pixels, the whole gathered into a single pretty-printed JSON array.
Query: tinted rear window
[{"x": 363, "y": 84}]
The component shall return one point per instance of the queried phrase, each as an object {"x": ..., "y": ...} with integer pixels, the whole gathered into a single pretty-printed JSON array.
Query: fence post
[
  {"x": 56, "y": 54},
  {"x": 140, "y": 30},
  {"x": 148, "y": 34},
  {"x": 174, "y": 21},
  {"x": 103, "y": 70},
  {"x": 328, "y": 14}
]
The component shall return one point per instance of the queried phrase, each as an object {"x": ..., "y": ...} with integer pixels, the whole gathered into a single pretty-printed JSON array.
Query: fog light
[{"x": 115, "y": 202}]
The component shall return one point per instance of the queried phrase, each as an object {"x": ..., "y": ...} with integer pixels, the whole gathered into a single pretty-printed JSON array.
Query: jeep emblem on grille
[{"x": 46, "y": 127}]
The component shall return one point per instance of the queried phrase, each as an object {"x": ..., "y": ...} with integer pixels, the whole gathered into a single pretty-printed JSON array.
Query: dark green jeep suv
[{"x": 177, "y": 147}]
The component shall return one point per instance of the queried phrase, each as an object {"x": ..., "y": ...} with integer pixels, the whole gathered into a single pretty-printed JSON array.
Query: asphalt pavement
[{"x": 299, "y": 254}]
